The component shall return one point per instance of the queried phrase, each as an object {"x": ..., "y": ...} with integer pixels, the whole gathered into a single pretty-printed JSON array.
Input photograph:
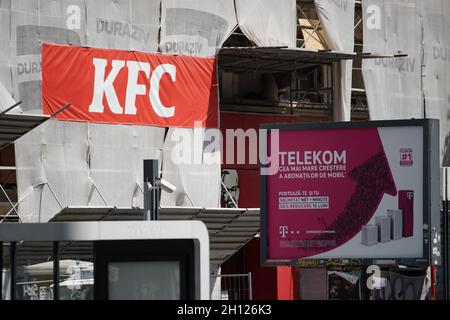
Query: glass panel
[
  {"x": 6, "y": 284},
  {"x": 34, "y": 280},
  {"x": 152, "y": 280},
  {"x": 76, "y": 271}
]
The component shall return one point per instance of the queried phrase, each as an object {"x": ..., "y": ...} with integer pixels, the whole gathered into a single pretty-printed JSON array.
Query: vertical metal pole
[
  {"x": 239, "y": 290},
  {"x": 1, "y": 270},
  {"x": 152, "y": 203},
  {"x": 444, "y": 267},
  {"x": 151, "y": 199},
  {"x": 291, "y": 103},
  {"x": 12, "y": 256},
  {"x": 156, "y": 202},
  {"x": 446, "y": 262},
  {"x": 250, "y": 292},
  {"x": 236, "y": 296},
  {"x": 333, "y": 90},
  {"x": 56, "y": 270},
  {"x": 147, "y": 199}
]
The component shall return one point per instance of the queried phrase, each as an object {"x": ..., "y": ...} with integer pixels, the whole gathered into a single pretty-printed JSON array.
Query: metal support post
[{"x": 151, "y": 191}]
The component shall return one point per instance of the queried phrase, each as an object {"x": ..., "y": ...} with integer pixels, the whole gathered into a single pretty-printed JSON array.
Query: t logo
[
  {"x": 410, "y": 195},
  {"x": 284, "y": 230},
  {"x": 373, "y": 18}
]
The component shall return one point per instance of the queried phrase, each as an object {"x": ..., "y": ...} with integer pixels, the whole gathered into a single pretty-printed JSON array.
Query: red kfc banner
[{"x": 129, "y": 87}]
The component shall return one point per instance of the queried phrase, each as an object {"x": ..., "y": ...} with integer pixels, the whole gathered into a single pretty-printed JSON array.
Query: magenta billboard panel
[{"x": 347, "y": 191}]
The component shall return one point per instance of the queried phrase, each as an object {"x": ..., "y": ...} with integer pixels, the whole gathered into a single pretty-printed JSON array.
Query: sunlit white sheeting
[
  {"x": 5, "y": 60},
  {"x": 193, "y": 28},
  {"x": 6, "y": 100},
  {"x": 116, "y": 161},
  {"x": 196, "y": 27},
  {"x": 337, "y": 20},
  {"x": 34, "y": 21},
  {"x": 114, "y": 24},
  {"x": 62, "y": 164},
  {"x": 416, "y": 86},
  {"x": 436, "y": 78},
  {"x": 267, "y": 22},
  {"x": 193, "y": 166},
  {"x": 123, "y": 24},
  {"x": 393, "y": 86}
]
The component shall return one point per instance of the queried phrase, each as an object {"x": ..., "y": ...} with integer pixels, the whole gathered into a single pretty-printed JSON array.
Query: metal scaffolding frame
[
  {"x": 311, "y": 97},
  {"x": 12, "y": 127}
]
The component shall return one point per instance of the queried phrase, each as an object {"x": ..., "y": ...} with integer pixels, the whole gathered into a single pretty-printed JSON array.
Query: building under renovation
[{"x": 277, "y": 62}]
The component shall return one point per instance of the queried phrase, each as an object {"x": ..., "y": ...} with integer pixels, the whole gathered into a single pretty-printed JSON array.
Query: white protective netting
[
  {"x": 80, "y": 163},
  {"x": 193, "y": 166},
  {"x": 123, "y": 24},
  {"x": 337, "y": 19},
  {"x": 31, "y": 23},
  {"x": 415, "y": 86},
  {"x": 393, "y": 86},
  {"x": 64, "y": 164},
  {"x": 436, "y": 77},
  {"x": 196, "y": 27},
  {"x": 51, "y": 156},
  {"x": 6, "y": 99},
  {"x": 268, "y": 23},
  {"x": 193, "y": 28},
  {"x": 25, "y": 24}
]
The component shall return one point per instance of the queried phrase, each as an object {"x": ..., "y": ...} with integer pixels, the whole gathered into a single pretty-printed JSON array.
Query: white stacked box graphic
[
  {"x": 384, "y": 228},
  {"x": 369, "y": 235},
  {"x": 396, "y": 217}
]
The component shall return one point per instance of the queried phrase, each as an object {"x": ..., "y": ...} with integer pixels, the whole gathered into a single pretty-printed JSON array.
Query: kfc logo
[
  {"x": 129, "y": 87},
  {"x": 104, "y": 86}
]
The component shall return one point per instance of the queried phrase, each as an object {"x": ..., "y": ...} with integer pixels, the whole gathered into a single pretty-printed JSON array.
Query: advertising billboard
[
  {"x": 129, "y": 87},
  {"x": 351, "y": 191}
]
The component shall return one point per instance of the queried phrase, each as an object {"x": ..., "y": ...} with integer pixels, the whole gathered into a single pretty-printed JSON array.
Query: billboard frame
[{"x": 431, "y": 196}]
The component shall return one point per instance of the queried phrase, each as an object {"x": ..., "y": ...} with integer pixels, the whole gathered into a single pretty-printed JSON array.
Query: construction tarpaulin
[
  {"x": 415, "y": 86},
  {"x": 25, "y": 24},
  {"x": 6, "y": 99},
  {"x": 191, "y": 161},
  {"x": 129, "y": 87},
  {"x": 123, "y": 24},
  {"x": 31, "y": 23},
  {"x": 393, "y": 85},
  {"x": 193, "y": 28},
  {"x": 337, "y": 20},
  {"x": 188, "y": 27},
  {"x": 268, "y": 23},
  {"x": 63, "y": 164},
  {"x": 436, "y": 73},
  {"x": 196, "y": 27}
]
